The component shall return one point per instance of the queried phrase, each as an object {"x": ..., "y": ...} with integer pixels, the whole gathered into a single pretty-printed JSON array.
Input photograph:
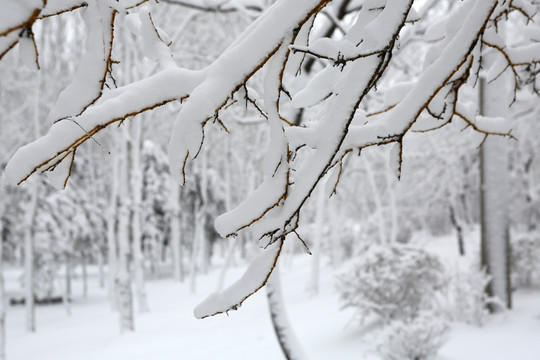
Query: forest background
[{"x": 123, "y": 215}]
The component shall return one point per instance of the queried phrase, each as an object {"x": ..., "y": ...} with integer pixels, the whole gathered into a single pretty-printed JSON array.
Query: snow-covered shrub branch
[{"x": 278, "y": 43}]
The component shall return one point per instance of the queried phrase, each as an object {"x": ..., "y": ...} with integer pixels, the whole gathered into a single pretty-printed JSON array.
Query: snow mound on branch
[{"x": 253, "y": 279}]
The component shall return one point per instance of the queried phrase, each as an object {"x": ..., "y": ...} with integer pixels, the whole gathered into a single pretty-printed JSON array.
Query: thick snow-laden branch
[
  {"x": 374, "y": 30},
  {"x": 209, "y": 90},
  {"x": 394, "y": 123},
  {"x": 331, "y": 138},
  {"x": 115, "y": 106},
  {"x": 254, "y": 278},
  {"x": 257, "y": 44}
]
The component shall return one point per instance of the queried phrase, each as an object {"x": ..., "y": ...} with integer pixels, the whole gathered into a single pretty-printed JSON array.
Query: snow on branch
[
  {"x": 332, "y": 129},
  {"x": 67, "y": 134},
  {"x": 253, "y": 279},
  {"x": 87, "y": 86},
  {"x": 230, "y": 72},
  {"x": 18, "y": 17},
  {"x": 278, "y": 40}
]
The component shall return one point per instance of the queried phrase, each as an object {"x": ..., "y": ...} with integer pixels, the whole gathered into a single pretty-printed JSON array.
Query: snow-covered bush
[
  {"x": 418, "y": 338},
  {"x": 393, "y": 282},
  {"x": 525, "y": 260},
  {"x": 464, "y": 299}
]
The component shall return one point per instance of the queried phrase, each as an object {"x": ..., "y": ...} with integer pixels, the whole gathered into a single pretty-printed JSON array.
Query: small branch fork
[
  {"x": 510, "y": 8},
  {"x": 510, "y": 64},
  {"x": 25, "y": 26},
  {"x": 340, "y": 59}
]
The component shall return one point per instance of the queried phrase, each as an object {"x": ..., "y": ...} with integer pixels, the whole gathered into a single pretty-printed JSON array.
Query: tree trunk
[
  {"x": 393, "y": 206},
  {"x": 493, "y": 190},
  {"x": 319, "y": 236},
  {"x": 204, "y": 248},
  {"x": 195, "y": 250},
  {"x": 176, "y": 240},
  {"x": 94, "y": 193},
  {"x": 282, "y": 328},
  {"x": 459, "y": 230},
  {"x": 112, "y": 231},
  {"x": 383, "y": 238},
  {"x": 67, "y": 290},
  {"x": 2, "y": 294},
  {"x": 230, "y": 248},
  {"x": 136, "y": 225},
  {"x": 123, "y": 278},
  {"x": 29, "y": 228},
  {"x": 100, "y": 268},
  {"x": 29, "y": 258},
  {"x": 84, "y": 274},
  {"x": 228, "y": 261}
]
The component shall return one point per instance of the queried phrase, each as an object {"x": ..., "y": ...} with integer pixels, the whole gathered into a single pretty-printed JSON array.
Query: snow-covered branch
[{"x": 277, "y": 43}]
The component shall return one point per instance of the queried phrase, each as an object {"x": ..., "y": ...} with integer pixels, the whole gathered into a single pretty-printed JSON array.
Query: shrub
[
  {"x": 525, "y": 261},
  {"x": 464, "y": 298},
  {"x": 393, "y": 282},
  {"x": 418, "y": 338}
]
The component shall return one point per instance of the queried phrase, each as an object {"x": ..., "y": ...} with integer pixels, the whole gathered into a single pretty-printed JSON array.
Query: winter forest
[{"x": 269, "y": 179}]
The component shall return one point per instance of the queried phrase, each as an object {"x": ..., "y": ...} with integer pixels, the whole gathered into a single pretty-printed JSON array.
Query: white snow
[{"x": 170, "y": 331}]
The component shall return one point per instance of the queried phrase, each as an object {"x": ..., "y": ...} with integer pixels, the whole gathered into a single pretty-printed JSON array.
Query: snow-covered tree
[{"x": 356, "y": 67}]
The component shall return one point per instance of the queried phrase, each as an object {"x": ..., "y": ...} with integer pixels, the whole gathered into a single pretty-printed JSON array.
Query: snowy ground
[{"x": 170, "y": 330}]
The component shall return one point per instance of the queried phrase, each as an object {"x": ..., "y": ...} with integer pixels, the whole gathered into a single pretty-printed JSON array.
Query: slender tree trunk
[
  {"x": 176, "y": 239},
  {"x": 68, "y": 277},
  {"x": 335, "y": 225},
  {"x": 195, "y": 250},
  {"x": 137, "y": 189},
  {"x": 29, "y": 258},
  {"x": 204, "y": 241},
  {"x": 377, "y": 200},
  {"x": 123, "y": 279},
  {"x": 29, "y": 228},
  {"x": 231, "y": 246},
  {"x": 112, "y": 231},
  {"x": 228, "y": 260},
  {"x": 459, "y": 230},
  {"x": 319, "y": 236},
  {"x": 495, "y": 248},
  {"x": 2, "y": 294},
  {"x": 95, "y": 204},
  {"x": 84, "y": 274},
  {"x": 394, "y": 224},
  {"x": 282, "y": 328},
  {"x": 100, "y": 268}
]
